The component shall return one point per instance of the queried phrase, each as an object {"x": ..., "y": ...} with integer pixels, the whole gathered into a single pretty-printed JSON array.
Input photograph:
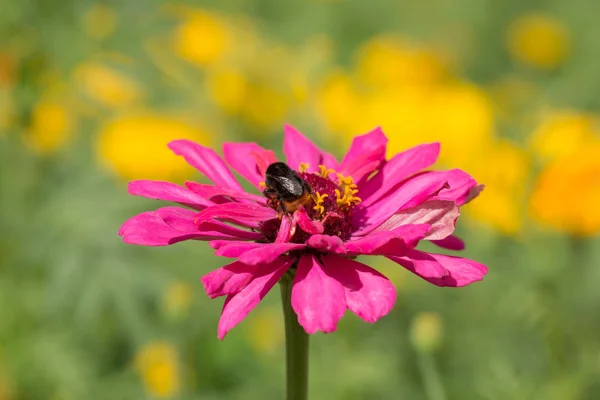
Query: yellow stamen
[
  {"x": 349, "y": 188},
  {"x": 262, "y": 186},
  {"x": 319, "y": 202},
  {"x": 324, "y": 171},
  {"x": 303, "y": 167}
]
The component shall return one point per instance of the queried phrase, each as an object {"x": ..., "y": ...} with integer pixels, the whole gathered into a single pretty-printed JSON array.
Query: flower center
[{"x": 332, "y": 203}]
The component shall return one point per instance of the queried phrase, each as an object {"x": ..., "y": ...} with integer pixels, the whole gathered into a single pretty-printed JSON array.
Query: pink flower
[{"x": 363, "y": 205}]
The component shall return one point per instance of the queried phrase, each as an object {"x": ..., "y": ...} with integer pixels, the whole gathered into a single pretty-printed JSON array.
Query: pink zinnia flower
[{"x": 363, "y": 205}]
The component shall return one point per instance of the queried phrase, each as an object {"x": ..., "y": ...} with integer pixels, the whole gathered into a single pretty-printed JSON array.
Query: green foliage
[{"x": 77, "y": 304}]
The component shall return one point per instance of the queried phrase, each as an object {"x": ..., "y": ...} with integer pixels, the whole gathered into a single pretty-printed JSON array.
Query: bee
[{"x": 285, "y": 186}]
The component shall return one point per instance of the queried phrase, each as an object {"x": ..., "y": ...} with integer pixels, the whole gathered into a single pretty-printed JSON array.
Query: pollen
[
  {"x": 345, "y": 195},
  {"x": 324, "y": 171},
  {"x": 262, "y": 185},
  {"x": 319, "y": 199},
  {"x": 303, "y": 167}
]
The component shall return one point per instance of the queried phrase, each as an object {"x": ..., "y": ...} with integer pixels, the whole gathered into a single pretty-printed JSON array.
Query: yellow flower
[
  {"x": 106, "y": 85},
  {"x": 426, "y": 332},
  {"x": 386, "y": 61},
  {"x": 135, "y": 146},
  {"x": 337, "y": 99},
  {"x": 51, "y": 126},
  {"x": 265, "y": 330},
  {"x": 178, "y": 298},
  {"x": 562, "y": 134},
  {"x": 265, "y": 106},
  {"x": 538, "y": 40},
  {"x": 100, "y": 21},
  {"x": 504, "y": 170},
  {"x": 158, "y": 365},
  {"x": 227, "y": 87},
  {"x": 6, "y": 108},
  {"x": 459, "y": 115},
  {"x": 203, "y": 37},
  {"x": 567, "y": 192}
]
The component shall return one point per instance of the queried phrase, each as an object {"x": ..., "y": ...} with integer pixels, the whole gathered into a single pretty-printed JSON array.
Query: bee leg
[{"x": 270, "y": 193}]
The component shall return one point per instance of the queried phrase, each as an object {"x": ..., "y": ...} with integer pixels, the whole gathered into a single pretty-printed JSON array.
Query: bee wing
[{"x": 292, "y": 185}]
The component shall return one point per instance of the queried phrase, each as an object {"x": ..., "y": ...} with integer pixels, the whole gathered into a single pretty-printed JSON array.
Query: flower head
[{"x": 363, "y": 205}]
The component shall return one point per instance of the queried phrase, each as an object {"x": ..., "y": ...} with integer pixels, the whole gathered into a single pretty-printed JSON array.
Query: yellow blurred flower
[
  {"x": 106, "y": 85},
  {"x": 135, "y": 146},
  {"x": 3, "y": 390},
  {"x": 512, "y": 95},
  {"x": 158, "y": 365},
  {"x": 100, "y": 21},
  {"x": 203, "y": 37},
  {"x": 426, "y": 332},
  {"x": 386, "y": 61},
  {"x": 8, "y": 77},
  {"x": 6, "y": 108},
  {"x": 177, "y": 299},
  {"x": 538, "y": 40},
  {"x": 504, "y": 170},
  {"x": 462, "y": 118},
  {"x": 459, "y": 115},
  {"x": 265, "y": 105},
  {"x": 336, "y": 99},
  {"x": 227, "y": 88},
  {"x": 264, "y": 330},
  {"x": 52, "y": 126},
  {"x": 8, "y": 70},
  {"x": 567, "y": 192},
  {"x": 563, "y": 133}
]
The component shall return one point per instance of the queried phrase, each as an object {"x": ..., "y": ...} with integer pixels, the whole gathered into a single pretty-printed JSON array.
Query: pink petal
[
  {"x": 299, "y": 149},
  {"x": 366, "y": 154},
  {"x": 369, "y": 294},
  {"x": 421, "y": 264},
  {"x": 226, "y": 248},
  {"x": 396, "y": 242},
  {"x": 268, "y": 252},
  {"x": 165, "y": 226},
  {"x": 206, "y": 161},
  {"x": 169, "y": 192},
  {"x": 238, "y": 305},
  {"x": 229, "y": 279},
  {"x": 210, "y": 192},
  {"x": 218, "y": 226},
  {"x": 307, "y": 224},
  {"x": 252, "y": 253},
  {"x": 411, "y": 193},
  {"x": 462, "y": 186},
  {"x": 457, "y": 271},
  {"x": 318, "y": 299},
  {"x": 440, "y": 214},
  {"x": 285, "y": 233},
  {"x": 326, "y": 244},
  {"x": 249, "y": 160},
  {"x": 451, "y": 243},
  {"x": 400, "y": 167},
  {"x": 238, "y": 213}
]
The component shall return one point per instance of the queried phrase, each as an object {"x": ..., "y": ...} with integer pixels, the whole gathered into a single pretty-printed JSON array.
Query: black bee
[{"x": 286, "y": 187}]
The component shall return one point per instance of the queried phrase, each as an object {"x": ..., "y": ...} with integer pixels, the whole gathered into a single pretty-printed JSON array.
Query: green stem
[
  {"x": 434, "y": 390},
  {"x": 296, "y": 346}
]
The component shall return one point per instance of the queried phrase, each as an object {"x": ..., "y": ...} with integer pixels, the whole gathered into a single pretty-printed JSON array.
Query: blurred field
[{"x": 90, "y": 93}]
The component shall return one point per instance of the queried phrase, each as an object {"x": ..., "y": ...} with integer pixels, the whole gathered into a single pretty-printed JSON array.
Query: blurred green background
[{"x": 90, "y": 93}]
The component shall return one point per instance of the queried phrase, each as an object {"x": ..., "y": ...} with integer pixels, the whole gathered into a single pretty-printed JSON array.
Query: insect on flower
[
  {"x": 315, "y": 215},
  {"x": 285, "y": 187}
]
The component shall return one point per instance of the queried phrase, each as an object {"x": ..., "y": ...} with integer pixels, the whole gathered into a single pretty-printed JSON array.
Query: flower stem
[
  {"x": 296, "y": 346},
  {"x": 434, "y": 389}
]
